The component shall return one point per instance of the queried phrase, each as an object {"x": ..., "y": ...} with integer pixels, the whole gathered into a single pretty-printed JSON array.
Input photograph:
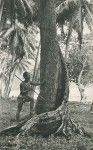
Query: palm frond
[
  {"x": 89, "y": 15},
  {"x": 22, "y": 10},
  {"x": 6, "y": 33},
  {"x": 20, "y": 42},
  {"x": 31, "y": 44},
  {"x": 69, "y": 34},
  {"x": 75, "y": 11}
]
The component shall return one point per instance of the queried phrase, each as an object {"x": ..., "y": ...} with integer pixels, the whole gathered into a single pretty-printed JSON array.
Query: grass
[{"x": 79, "y": 113}]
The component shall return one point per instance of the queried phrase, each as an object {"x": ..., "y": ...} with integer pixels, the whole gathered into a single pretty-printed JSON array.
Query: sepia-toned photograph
[{"x": 46, "y": 74}]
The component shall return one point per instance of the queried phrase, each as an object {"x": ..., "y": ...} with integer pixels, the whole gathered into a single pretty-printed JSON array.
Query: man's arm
[{"x": 36, "y": 84}]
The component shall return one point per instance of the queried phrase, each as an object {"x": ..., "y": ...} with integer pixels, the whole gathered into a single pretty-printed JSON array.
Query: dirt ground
[
  {"x": 8, "y": 111},
  {"x": 79, "y": 113}
]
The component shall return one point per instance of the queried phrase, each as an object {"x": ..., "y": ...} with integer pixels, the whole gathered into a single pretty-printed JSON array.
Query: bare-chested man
[{"x": 25, "y": 88}]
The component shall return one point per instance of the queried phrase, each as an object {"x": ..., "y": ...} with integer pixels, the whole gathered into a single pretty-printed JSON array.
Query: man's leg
[
  {"x": 31, "y": 100},
  {"x": 32, "y": 106},
  {"x": 91, "y": 107},
  {"x": 19, "y": 108}
]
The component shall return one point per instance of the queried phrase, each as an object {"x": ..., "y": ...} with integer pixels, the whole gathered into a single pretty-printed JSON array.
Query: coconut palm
[
  {"x": 20, "y": 41},
  {"x": 12, "y": 10},
  {"x": 18, "y": 45},
  {"x": 75, "y": 12},
  {"x": 5, "y": 76}
]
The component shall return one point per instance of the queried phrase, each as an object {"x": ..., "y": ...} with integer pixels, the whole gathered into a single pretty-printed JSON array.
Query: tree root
[{"x": 56, "y": 122}]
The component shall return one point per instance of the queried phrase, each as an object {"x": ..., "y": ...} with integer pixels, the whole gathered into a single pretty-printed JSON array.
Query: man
[{"x": 25, "y": 88}]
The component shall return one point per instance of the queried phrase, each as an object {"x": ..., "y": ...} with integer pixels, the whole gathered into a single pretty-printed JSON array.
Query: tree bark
[{"x": 50, "y": 65}]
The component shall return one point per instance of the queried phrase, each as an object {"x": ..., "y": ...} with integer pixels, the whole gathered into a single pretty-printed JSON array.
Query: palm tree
[
  {"x": 18, "y": 44},
  {"x": 75, "y": 12},
  {"x": 12, "y": 10},
  {"x": 24, "y": 65}
]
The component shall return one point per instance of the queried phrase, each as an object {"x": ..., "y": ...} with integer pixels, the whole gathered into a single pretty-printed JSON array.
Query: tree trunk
[
  {"x": 1, "y": 88},
  {"x": 10, "y": 83},
  {"x": 81, "y": 89},
  {"x": 6, "y": 90},
  {"x": 10, "y": 78},
  {"x": 51, "y": 69}
]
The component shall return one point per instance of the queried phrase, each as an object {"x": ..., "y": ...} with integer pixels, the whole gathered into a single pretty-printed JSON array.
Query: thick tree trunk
[{"x": 50, "y": 65}]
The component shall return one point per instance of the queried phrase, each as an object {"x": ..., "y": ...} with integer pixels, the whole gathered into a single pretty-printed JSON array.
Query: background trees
[
  {"x": 74, "y": 13},
  {"x": 80, "y": 64},
  {"x": 19, "y": 50}
]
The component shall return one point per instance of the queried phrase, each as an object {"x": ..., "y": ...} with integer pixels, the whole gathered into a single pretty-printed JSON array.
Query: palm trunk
[
  {"x": 2, "y": 88},
  {"x": 81, "y": 90},
  {"x": 50, "y": 64},
  {"x": 11, "y": 82},
  {"x": 10, "y": 78},
  {"x": 8, "y": 81}
]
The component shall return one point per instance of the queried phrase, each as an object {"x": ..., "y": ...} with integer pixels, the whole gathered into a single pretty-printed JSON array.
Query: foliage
[
  {"x": 79, "y": 59},
  {"x": 20, "y": 46},
  {"x": 19, "y": 41},
  {"x": 75, "y": 12},
  {"x": 12, "y": 10}
]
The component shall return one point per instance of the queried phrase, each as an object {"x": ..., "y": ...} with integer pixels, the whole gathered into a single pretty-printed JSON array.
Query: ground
[{"x": 79, "y": 112}]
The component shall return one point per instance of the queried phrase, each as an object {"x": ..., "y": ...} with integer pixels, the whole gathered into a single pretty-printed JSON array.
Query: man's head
[{"x": 26, "y": 76}]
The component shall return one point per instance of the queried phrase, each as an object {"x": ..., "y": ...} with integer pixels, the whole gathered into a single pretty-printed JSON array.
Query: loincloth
[{"x": 25, "y": 98}]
